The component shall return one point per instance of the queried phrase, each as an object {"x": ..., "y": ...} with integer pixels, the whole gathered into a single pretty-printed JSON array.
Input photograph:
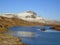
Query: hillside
[
  {"x": 6, "y": 22},
  {"x": 9, "y": 22},
  {"x": 28, "y": 18}
]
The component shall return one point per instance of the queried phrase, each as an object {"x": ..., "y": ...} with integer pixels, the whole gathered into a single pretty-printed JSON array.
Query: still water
[{"x": 32, "y": 35}]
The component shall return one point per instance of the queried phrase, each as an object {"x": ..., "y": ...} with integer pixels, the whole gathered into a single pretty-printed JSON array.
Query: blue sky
[{"x": 45, "y": 8}]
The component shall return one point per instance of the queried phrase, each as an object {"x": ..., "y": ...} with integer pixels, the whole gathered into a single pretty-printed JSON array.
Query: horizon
[{"x": 45, "y": 8}]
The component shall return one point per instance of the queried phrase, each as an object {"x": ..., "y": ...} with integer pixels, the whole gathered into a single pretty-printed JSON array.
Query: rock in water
[
  {"x": 43, "y": 29},
  {"x": 52, "y": 28},
  {"x": 10, "y": 40}
]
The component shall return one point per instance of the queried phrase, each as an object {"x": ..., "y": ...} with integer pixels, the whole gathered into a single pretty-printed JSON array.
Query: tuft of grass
[{"x": 3, "y": 30}]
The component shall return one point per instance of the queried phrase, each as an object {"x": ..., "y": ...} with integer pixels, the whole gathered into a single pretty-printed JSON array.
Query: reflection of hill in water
[{"x": 22, "y": 33}]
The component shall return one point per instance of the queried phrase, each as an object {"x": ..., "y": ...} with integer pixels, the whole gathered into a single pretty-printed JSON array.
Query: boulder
[
  {"x": 52, "y": 28},
  {"x": 43, "y": 29}
]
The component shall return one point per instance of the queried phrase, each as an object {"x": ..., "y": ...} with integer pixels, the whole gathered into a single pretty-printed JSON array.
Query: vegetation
[
  {"x": 9, "y": 22},
  {"x": 10, "y": 40}
]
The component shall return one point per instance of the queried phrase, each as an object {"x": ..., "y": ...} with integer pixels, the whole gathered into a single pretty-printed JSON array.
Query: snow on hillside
[
  {"x": 27, "y": 16},
  {"x": 8, "y": 15},
  {"x": 30, "y": 16}
]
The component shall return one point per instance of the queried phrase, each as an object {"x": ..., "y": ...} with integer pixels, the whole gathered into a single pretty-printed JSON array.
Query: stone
[{"x": 43, "y": 29}]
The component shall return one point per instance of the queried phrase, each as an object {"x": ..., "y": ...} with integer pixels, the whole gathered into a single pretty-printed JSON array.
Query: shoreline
[{"x": 10, "y": 40}]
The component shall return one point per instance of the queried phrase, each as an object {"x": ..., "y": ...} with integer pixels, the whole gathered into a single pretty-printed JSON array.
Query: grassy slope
[
  {"x": 6, "y": 39},
  {"x": 8, "y": 22}
]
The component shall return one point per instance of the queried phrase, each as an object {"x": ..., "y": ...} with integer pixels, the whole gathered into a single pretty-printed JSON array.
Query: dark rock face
[
  {"x": 33, "y": 16},
  {"x": 32, "y": 12}
]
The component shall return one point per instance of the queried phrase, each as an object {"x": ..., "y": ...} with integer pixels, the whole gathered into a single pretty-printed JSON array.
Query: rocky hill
[{"x": 28, "y": 18}]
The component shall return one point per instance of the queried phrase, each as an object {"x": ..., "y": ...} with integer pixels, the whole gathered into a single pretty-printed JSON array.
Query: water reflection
[
  {"x": 26, "y": 34},
  {"x": 34, "y": 36},
  {"x": 22, "y": 33}
]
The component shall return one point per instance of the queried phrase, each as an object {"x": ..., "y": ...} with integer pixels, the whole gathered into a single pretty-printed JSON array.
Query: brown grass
[{"x": 8, "y": 22}]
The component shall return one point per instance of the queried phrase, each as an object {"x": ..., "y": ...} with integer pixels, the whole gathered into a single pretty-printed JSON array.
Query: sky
[{"x": 45, "y": 8}]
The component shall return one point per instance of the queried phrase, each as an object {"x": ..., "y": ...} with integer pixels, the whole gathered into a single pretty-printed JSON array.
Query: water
[{"x": 32, "y": 35}]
